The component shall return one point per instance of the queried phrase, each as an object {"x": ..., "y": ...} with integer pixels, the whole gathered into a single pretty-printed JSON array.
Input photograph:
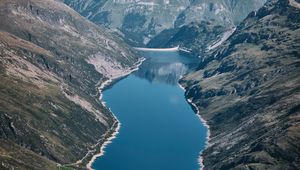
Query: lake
[{"x": 159, "y": 130}]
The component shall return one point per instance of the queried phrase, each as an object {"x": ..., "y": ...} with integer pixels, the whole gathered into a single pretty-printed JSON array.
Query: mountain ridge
[
  {"x": 52, "y": 63},
  {"x": 247, "y": 90},
  {"x": 141, "y": 21}
]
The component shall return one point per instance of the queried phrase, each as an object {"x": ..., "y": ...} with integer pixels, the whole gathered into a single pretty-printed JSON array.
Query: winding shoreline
[
  {"x": 103, "y": 146},
  {"x": 204, "y": 122},
  {"x": 114, "y": 130}
]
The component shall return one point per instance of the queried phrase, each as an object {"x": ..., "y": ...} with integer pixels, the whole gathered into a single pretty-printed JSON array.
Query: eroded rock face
[
  {"x": 49, "y": 71},
  {"x": 248, "y": 90}
]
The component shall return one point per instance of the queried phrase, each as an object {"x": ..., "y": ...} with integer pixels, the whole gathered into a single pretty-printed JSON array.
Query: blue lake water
[{"x": 159, "y": 130}]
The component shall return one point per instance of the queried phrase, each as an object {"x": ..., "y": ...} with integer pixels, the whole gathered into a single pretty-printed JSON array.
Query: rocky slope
[
  {"x": 224, "y": 12},
  {"x": 51, "y": 62},
  {"x": 205, "y": 24},
  {"x": 138, "y": 20},
  {"x": 141, "y": 20},
  {"x": 194, "y": 38},
  {"x": 248, "y": 90}
]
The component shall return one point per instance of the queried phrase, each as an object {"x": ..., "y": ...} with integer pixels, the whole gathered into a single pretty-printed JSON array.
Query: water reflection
[
  {"x": 165, "y": 67},
  {"x": 159, "y": 129}
]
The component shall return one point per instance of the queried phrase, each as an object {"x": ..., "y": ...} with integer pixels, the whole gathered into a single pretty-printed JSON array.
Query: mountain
[
  {"x": 206, "y": 24},
  {"x": 52, "y": 62},
  {"x": 248, "y": 89},
  {"x": 194, "y": 39},
  {"x": 141, "y": 20},
  {"x": 138, "y": 20},
  {"x": 224, "y": 12}
]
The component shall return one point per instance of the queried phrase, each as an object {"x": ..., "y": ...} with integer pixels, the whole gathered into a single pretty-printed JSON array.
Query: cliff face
[
  {"x": 51, "y": 62},
  {"x": 248, "y": 90}
]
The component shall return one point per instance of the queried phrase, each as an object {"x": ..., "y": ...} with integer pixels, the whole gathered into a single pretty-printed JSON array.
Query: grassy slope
[{"x": 48, "y": 95}]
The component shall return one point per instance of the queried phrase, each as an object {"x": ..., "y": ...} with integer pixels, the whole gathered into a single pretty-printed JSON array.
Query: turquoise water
[{"x": 159, "y": 130}]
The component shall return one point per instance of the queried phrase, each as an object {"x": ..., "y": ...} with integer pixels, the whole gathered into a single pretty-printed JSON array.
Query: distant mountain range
[
  {"x": 141, "y": 20},
  {"x": 205, "y": 24}
]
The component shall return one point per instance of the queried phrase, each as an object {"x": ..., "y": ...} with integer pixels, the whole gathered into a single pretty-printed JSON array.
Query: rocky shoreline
[
  {"x": 203, "y": 121},
  {"x": 98, "y": 149},
  {"x": 49, "y": 99},
  {"x": 248, "y": 91},
  {"x": 112, "y": 133}
]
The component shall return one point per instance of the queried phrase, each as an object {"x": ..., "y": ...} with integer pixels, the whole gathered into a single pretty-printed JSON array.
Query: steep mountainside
[
  {"x": 248, "y": 90},
  {"x": 224, "y": 12},
  {"x": 194, "y": 38},
  {"x": 51, "y": 62},
  {"x": 142, "y": 20},
  {"x": 205, "y": 23},
  {"x": 139, "y": 20}
]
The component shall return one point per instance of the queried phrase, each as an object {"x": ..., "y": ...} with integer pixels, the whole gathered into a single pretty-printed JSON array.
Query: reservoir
[{"x": 159, "y": 130}]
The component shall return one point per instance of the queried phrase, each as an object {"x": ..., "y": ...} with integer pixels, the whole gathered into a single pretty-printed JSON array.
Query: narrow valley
[{"x": 149, "y": 84}]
